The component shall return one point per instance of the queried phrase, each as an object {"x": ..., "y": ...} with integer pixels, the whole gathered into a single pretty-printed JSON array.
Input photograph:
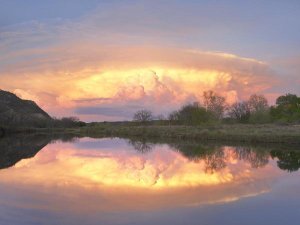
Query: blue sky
[{"x": 263, "y": 29}]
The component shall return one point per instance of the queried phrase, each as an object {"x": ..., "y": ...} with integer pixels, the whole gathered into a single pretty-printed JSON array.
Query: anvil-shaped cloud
[
  {"x": 114, "y": 82},
  {"x": 98, "y": 70}
]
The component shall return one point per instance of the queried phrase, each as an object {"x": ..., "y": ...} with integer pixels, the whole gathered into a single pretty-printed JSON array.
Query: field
[{"x": 234, "y": 132}]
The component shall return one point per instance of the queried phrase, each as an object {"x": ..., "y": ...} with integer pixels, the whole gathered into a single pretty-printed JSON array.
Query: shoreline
[
  {"x": 236, "y": 133},
  {"x": 288, "y": 134}
]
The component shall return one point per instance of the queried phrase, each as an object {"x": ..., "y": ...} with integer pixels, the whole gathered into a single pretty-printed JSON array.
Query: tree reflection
[
  {"x": 287, "y": 160},
  {"x": 214, "y": 162},
  {"x": 256, "y": 158},
  {"x": 215, "y": 157},
  {"x": 141, "y": 146},
  {"x": 212, "y": 155}
]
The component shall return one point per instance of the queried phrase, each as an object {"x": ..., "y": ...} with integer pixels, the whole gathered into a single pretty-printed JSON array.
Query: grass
[
  {"x": 246, "y": 133},
  {"x": 29, "y": 130},
  {"x": 269, "y": 133}
]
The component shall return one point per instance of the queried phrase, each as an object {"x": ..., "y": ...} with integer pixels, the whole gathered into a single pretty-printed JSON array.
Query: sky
[{"x": 103, "y": 60}]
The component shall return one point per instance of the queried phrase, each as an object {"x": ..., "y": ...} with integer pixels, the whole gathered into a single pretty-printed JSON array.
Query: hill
[{"x": 15, "y": 111}]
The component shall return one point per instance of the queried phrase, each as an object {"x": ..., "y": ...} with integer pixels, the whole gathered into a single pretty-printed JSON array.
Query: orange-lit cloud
[
  {"x": 146, "y": 77},
  {"x": 98, "y": 71}
]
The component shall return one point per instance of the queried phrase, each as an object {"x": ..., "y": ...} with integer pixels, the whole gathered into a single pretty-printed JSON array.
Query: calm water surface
[{"x": 116, "y": 181}]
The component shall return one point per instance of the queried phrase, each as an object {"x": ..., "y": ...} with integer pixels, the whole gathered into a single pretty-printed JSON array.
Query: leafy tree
[
  {"x": 191, "y": 114},
  {"x": 287, "y": 108},
  {"x": 143, "y": 116},
  {"x": 288, "y": 100},
  {"x": 214, "y": 103}
]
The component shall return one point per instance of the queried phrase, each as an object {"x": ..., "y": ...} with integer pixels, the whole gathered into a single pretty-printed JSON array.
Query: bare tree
[
  {"x": 173, "y": 117},
  {"x": 258, "y": 103},
  {"x": 240, "y": 111},
  {"x": 160, "y": 117},
  {"x": 214, "y": 103},
  {"x": 143, "y": 116}
]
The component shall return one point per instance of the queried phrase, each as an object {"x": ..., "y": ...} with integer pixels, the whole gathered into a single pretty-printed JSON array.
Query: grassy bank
[
  {"x": 236, "y": 132},
  {"x": 30, "y": 130},
  {"x": 270, "y": 133}
]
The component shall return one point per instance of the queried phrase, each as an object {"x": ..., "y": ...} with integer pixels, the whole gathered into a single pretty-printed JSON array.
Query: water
[{"x": 117, "y": 181}]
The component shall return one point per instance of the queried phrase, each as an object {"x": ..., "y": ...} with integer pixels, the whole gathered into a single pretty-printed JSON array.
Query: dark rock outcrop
[{"x": 18, "y": 112}]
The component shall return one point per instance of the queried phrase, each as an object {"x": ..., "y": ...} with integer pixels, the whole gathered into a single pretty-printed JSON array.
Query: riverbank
[
  {"x": 29, "y": 130},
  {"x": 289, "y": 134},
  {"x": 270, "y": 133}
]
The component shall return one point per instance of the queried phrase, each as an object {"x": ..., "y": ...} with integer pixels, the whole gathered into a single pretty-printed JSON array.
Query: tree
[
  {"x": 214, "y": 103},
  {"x": 287, "y": 108},
  {"x": 259, "y": 109},
  {"x": 258, "y": 103},
  {"x": 240, "y": 111},
  {"x": 143, "y": 116},
  {"x": 288, "y": 100},
  {"x": 67, "y": 122},
  {"x": 160, "y": 117},
  {"x": 255, "y": 110},
  {"x": 173, "y": 116},
  {"x": 191, "y": 114}
]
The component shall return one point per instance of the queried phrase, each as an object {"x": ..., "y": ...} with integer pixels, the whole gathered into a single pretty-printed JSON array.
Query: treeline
[
  {"x": 65, "y": 122},
  {"x": 255, "y": 110}
]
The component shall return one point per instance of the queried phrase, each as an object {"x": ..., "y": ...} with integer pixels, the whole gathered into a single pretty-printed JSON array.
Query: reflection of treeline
[
  {"x": 215, "y": 108},
  {"x": 215, "y": 155},
  {"x": 287, "y": 160}
]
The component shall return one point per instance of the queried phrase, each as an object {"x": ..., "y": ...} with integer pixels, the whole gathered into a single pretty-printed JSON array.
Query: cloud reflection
[{"x": 122, "y": 179}]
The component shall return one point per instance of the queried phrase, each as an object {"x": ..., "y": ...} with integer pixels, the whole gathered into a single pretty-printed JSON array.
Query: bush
[
  {"x": 260, "y": 117},
  {"x": 190, "y": 114}
]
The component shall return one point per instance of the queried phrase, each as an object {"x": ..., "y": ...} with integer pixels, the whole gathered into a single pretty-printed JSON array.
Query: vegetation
[
  {"x": 287, "y": 108},
  {"x": 214, "y": 104},
  {"x": 240, "y": 112},
  {"x": 195, "y": 114},
  {"x": 214, "y": 109},
  {"x": 212, "y": 154},
  {"x": 143, "y": 116},
  {"x": 252, "y": 120},
  {"x": 19, "y": 113},
  {"x": 250, "y": 133},
  {"x": 66, "y": 122},
  {"x": 190, "y": 114}
]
